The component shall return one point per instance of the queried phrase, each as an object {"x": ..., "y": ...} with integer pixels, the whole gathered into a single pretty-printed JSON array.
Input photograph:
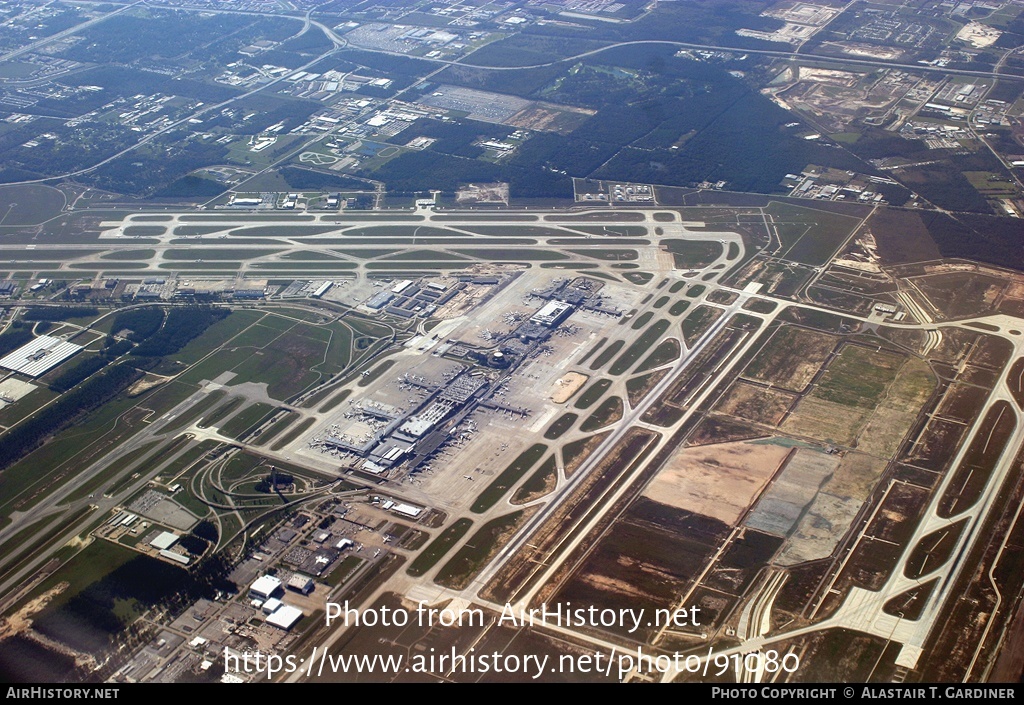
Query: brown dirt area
[
  {"x": 549, "y": 118},
  {"x": 609, "y": 584},
  {"x": 719, "y": 481},
  {"x": 817, "y": 533},
  {"x": 483, "y": 193},
  {"x": 855, "y": 477},
  {"x": 791, "y": 358},
  {"x": 756, "y": 404},
  {"x": 21, "y": 621},
  {"x": 896, "y": 413},
  {"x": 145, "y": 384},
  {"x": 1015, "y": 289},
  {"x": 826, "y": 421},
  {"x": 568, "y": 385}
]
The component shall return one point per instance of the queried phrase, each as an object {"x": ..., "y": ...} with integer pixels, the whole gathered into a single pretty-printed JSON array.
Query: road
[
  {"x": 340, "y": 42},
  {"x": 28, "y": 48}
]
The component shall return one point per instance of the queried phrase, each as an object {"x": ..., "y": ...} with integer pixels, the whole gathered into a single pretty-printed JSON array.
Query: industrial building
[
  {"x": 164, "y": 540},
  {"x": 285, "y": 617},
  {"x": 301, "y": 583},
  {"x": 39, "y": 356},
  {"x": 265, "y": 587},
  {"x": 552, "y": 314},
  {"x": 176, "y": 557}
]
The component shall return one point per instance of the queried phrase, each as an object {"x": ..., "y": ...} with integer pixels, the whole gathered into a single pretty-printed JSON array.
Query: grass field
[
  {"x": 609, "y": 411},
  {"x": 698, "y": 321},
  {"x": 989, "y": 184},
  {"x": 691, "y": 254},
  {"x": 846, "y": 395},
  {"x": 293, "y": 434},
  {"x": 221, "y": 412},
  {"x": 46, "y": 468},
  {"x": 597, "y": 346},
  {"x": 642, "y": 320},
  {"x": 791, "y": 357},
  {"x": 89, "y": 566},
  {"x": 678, "y": 307},
  {"x": 576, "y": 452},
  {"x": 129, "y": 255},
  {"x": 638, "y": 387},
  {"x": 593, "y": 393},
  {"x": 858, "y": 376},
  {"x": 560, "y": 425},
  {"x": 216, "y": 335},
  {"x": 607, "y": 354},
  {"x": 538, "y": 484},
  {"x": 244, "y": 421},
  {"x": 639, "y": 347},
  {"x": 335, "y": 400},
  {"x": 480, "y": 547},
  {"x": 667, "y": 351},
  {"x": 112, "y": 471},
  {"x": 30, "y": 204},
  {"x": 897, "y": 411},
  {"x": 508, "y": 477},
  {"x": 808, "y": 235},
  {"x": 437, "y": 548},
  {"x": 194, "y": 411},
  {"x": 286, "y": 364}
]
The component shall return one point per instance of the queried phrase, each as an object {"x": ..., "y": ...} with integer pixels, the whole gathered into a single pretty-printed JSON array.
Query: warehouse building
[{"x": 39, "y": 356}]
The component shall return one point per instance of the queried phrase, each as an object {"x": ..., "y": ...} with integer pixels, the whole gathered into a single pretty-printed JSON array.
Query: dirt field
[
  {"x": 855, "y": 476},
  {"x": 483, "y": 193},
  {"x": 566, "y": 386},
  {"x": 791, "y": 358},
  {"x": 826, "y": 421},
  {"x": 756, "y": 404},
  {"x": 719, "y": 481},
  {"x": 816, "y": 535},
  {"x": 959, "y": 294},
  {"x": 790, "y": 495},
  {"x": 894, "y": 416}
]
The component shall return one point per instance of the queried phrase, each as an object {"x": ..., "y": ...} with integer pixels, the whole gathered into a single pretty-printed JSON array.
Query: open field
[
  {"x": 791, "y": 358},
  {"x": 756, "y": 404},
  {"x": 719, "y": 481}
]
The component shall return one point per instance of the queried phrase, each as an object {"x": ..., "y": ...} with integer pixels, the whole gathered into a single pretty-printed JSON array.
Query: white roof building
[
  {"x": 407, "y": 510},
  {"x": 164, "y": 540},
  {"x": 285, "y": 617},
  {"x": 264, "y": 587},
  {"x": 42, "y": 354}
]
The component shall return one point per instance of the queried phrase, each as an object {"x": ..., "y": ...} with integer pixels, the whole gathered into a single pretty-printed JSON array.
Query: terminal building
[
  {"x": 414, "y": 436},
  {"x": 552, "y": 314}
]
